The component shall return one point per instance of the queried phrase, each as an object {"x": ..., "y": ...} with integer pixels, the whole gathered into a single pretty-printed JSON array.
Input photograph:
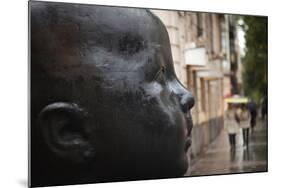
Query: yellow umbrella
[{"x": 237, "y": 100}]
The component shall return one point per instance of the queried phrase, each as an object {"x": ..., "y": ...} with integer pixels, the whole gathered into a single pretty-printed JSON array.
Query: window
[
  {"x": 211, "y": 33},
  {"x": 199, "y": 24},
  {"x": 203, "y": 94}
]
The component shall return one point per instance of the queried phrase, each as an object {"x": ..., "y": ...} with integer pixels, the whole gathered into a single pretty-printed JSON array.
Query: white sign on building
[{"x": 195, "y": 56}]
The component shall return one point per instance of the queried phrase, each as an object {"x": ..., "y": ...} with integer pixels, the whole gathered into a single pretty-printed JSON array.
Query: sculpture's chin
[
  {"x": 185, "y": 165},
  {"x": 179, "y": 169}
]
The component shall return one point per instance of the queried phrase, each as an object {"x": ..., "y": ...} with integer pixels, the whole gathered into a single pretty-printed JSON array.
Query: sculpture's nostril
[
  {"x": 187, "y": 102},
  {"x": 190, "y": 102}
]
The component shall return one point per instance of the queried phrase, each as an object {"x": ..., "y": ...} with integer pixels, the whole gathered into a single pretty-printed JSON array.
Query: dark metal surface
[{"x": 106, "y": 104}]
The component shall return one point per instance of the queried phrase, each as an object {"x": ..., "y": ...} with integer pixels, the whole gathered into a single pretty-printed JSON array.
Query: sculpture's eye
[
  {"x": 130, "y": 44},
  {"x": 161, "y": 75}
]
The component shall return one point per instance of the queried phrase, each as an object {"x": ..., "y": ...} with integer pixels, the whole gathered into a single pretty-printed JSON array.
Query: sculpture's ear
[{"x": 64, "y": 131}]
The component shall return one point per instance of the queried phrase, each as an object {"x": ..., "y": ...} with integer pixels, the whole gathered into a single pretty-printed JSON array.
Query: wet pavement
[{"x": 220, "y": 159}]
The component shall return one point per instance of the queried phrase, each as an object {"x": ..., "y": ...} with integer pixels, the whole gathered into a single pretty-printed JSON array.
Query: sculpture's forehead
[
  {"x": 125, "y": 19},
  {"x": 78, "y": 35},
  {"x": 118, "y": 21},
  {"x": 93, "y": 19}
]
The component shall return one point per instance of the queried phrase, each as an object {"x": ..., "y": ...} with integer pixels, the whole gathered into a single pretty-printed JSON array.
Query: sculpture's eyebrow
[
  {"x": 155, "y": 46},
  {"x": 158, "y": 46}
]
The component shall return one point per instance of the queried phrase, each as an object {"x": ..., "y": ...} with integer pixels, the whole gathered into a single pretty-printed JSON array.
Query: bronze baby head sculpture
[{"x": 106, "y": 104}]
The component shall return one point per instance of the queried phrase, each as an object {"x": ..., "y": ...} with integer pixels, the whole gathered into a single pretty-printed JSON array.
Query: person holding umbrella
[
  {"x": 231, "y": 123},
  {"x": 245, "y": 118}
]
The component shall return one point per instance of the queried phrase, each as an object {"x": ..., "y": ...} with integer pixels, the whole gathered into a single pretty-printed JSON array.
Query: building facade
[{"x": 201, "y": 50}]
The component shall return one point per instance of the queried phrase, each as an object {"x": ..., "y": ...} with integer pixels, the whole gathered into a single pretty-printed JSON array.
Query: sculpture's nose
[
  {"x": 186, "y": 99},
  {"x": 187, "y": 102}
]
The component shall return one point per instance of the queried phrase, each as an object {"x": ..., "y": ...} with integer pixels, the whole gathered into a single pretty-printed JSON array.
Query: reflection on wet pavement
[{"x": 219, "y": 159}]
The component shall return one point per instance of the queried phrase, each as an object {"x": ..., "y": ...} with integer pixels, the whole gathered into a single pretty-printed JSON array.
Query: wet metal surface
[{"x": 219, "y": 159}]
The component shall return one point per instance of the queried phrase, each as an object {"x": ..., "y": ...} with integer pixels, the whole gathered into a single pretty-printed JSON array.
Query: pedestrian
[
  {"x": 264, "y": 108},
  {"x": 245, "y": 122},
  {"x": 252, "y": 106},
  {"x": 231, "y": 124}
]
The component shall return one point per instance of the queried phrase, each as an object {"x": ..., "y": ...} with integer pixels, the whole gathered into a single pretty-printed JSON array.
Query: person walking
[
  {"x": 264, "y": 108},
  {"x": 252, "y": 106},
  {"x": 245, "y": 123},
  {"x": 231, "y": 124}
]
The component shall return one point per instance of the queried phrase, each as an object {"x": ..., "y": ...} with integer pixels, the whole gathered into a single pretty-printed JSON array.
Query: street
[{"x": 219, "y": 159}]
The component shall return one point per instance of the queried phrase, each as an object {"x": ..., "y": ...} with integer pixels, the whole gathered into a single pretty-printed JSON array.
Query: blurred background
[{"x": 220, "y": 56}]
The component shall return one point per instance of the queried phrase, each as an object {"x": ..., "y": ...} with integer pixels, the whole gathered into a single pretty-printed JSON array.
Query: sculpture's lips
[
  {"x": 187, "y": 144},
  {"x": 189, "y": 128}
]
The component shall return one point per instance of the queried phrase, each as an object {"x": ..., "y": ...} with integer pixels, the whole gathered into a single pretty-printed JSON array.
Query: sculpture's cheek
[{"x": 141, "y": 125}]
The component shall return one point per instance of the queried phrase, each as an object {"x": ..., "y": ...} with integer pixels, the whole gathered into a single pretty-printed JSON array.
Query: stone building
[{"x": 201, "y": 50}]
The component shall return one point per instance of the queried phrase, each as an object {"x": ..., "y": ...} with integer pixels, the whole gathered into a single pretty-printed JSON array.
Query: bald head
[
  {"x": 105, "y": 99},
  {"x": 76, "y": 32}
]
